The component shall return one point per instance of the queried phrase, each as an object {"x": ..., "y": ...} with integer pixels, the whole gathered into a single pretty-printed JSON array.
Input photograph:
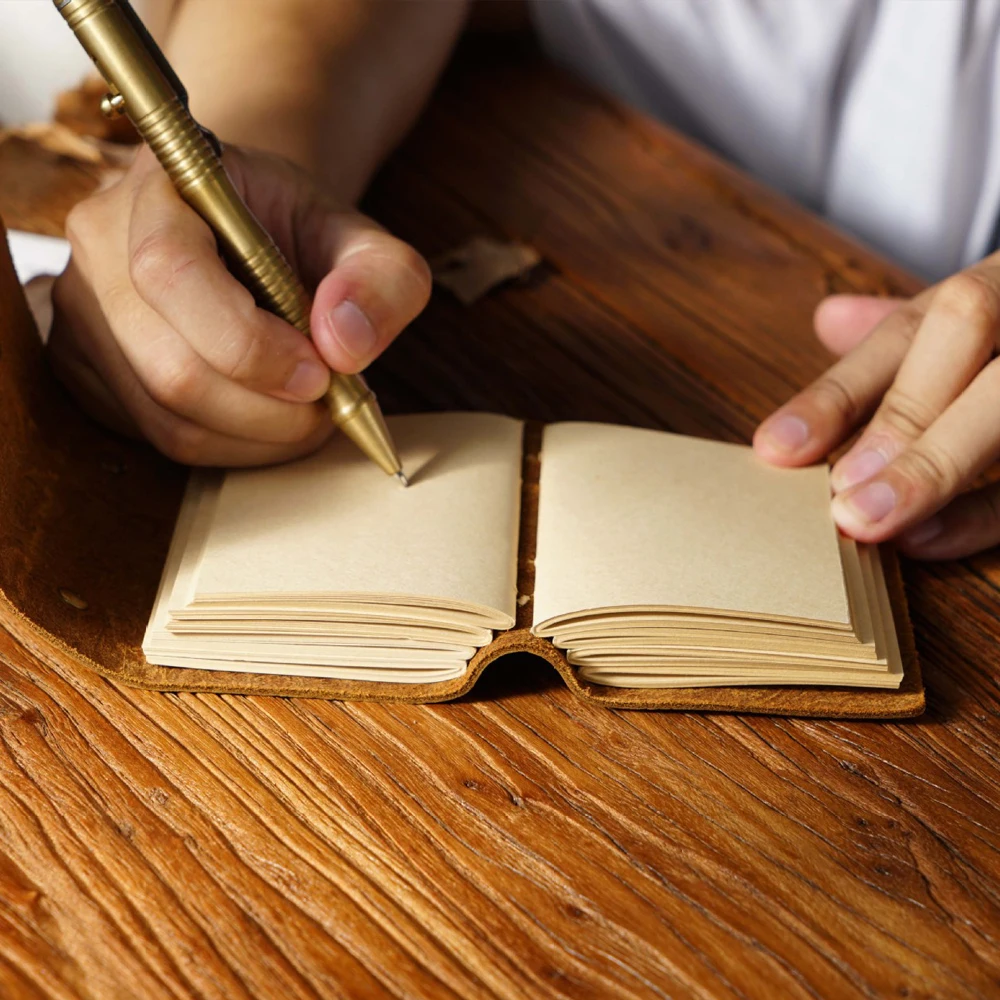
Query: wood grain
[{"x": 519, "y": 843}]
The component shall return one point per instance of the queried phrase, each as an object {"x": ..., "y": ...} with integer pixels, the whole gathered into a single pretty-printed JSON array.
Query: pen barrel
[
  {"x": 155, "y": 107},
  {"x": 202, "y": 181}
]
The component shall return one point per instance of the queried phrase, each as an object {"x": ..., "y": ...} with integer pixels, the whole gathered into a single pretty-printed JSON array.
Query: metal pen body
[{"x": 143, "y": 87}]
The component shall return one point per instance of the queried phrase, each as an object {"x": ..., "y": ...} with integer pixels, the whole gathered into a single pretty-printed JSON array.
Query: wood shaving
[
  {"x": 480, "y": 265},
  {"x": 61, "y": 140}
]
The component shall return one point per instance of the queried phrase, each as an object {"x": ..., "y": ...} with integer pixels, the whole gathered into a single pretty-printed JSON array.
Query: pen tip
[{"x": 403, "y": 480}]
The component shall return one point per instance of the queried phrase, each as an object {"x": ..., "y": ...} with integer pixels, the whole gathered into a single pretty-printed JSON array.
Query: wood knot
[{"x": 33, "y": 717}]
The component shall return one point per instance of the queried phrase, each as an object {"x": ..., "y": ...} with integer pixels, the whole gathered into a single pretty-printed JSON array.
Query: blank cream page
[
  {"x": 334, "y": 524},
  {"x": 638, "y": 518}
]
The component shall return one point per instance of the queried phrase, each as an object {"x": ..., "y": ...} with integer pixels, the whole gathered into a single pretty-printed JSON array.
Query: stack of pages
[
  {"x": 327, "y": 567},
  {"x": 666, "y": 561},
  {"x": 661, "y": 561}
]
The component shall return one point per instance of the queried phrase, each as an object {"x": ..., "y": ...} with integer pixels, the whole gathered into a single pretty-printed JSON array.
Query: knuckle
[
  {"x": 832, "y": 393},
  {"x": 78, "y": 223},
  {"x": 82, "y": 228},
  {"x": 157, "y": 263},
  {"x": 905, "y": 414},
  {"x": 177, "y": 385},
  {"x": 88, "y": 220},
  {"x": 971, "y": 298},
  {"x": 244, "y": 351},
  {"x": 931, "y": 470}
]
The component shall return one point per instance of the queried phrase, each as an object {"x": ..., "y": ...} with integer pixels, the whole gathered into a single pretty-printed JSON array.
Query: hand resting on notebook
[
  {"x": 926, "y": 369},
  {"x": 154, "y": 336}
]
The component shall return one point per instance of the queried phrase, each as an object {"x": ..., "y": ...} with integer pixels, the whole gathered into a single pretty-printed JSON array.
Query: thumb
[
  {"x": 843, "y": 321},
  {"x": 376, "y": 286}
]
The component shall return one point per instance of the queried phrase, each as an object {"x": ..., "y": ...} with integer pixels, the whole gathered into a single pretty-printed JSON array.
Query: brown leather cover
[{"x": 86, "y": 519}]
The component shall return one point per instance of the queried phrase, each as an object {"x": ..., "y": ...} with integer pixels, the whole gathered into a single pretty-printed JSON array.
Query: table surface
[{"x": 518, "y": 843}]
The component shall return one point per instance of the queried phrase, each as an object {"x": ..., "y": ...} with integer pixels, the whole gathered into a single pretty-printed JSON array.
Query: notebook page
[
  {"x": 335, "y": 524},
  {"x": 638, "y": 518}
]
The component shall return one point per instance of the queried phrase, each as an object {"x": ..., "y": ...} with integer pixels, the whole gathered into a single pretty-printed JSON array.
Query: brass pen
[{"x": 143, "y": 85}]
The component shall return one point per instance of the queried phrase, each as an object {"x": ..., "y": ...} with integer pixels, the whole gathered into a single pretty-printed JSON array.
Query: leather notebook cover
[{"x": 86, "y": 518}]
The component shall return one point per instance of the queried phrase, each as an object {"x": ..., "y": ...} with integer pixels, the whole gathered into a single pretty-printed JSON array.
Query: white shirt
[
  {"x": 882, "y": 114},
  {"x": 877, "y": 113}
]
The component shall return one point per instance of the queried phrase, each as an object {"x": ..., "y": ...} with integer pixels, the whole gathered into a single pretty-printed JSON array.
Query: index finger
[
  {"x": 814, "y": 422},
  {"x": 176, "y": 269}
]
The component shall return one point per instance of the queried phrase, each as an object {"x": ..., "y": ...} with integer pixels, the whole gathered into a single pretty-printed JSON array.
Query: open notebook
[{"x": 660, "y": 561}]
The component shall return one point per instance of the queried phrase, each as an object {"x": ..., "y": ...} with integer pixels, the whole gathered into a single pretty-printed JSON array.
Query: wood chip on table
[
  {"x": 63, "y": 141},
  {"x": 59, "y": 162},
  {"x": 478, "y": 266}
]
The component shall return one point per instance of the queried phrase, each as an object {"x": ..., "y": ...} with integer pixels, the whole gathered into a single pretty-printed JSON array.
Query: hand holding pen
[{"x": 153, "y": 332}]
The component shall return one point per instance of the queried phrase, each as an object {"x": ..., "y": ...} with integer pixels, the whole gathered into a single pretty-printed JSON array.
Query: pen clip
[
  {"x": 154, "y": 50},
  {"x": 156, "y": 53}
]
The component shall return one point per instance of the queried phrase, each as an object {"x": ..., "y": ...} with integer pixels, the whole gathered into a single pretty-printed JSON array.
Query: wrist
[
  {"x": 330, "y": 86},
  {"x": 267, "y": 85}
]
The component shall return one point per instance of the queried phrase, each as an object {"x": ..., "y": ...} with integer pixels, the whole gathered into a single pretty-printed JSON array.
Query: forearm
[{"x": 332, "y": 86}]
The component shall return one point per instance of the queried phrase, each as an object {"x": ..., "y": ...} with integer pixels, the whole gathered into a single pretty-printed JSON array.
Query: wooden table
[{"x": 518, "y": 843}]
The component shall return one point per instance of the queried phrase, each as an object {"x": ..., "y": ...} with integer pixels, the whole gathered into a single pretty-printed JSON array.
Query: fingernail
[
  {"x": 308, "y": 381},
  {"x": 923, "y": 533},
  {"x": 352, "y": 329},
  {"x": 869, "y": 504},
  {"x": 787, "y": 432},
  {"x": 856, "y": 468}
]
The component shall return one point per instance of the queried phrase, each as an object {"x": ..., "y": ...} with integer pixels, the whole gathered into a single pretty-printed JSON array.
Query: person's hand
[
  {"x": 154, "y": 336},
  {"x": 925, "y": 368}
]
